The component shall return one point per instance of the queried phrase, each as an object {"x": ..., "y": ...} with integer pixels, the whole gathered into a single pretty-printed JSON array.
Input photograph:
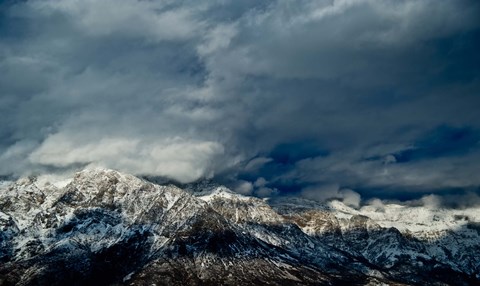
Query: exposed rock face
[{"x": 109, "y": 228}]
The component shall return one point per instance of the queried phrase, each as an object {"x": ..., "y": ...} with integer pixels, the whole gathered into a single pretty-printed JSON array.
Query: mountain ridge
[{"x": 117, "y": 229}]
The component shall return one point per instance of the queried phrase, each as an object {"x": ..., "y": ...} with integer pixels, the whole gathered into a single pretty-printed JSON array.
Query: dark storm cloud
[
  {"x": 440, "y": 142},
  {"x": 313, "y": 97}
]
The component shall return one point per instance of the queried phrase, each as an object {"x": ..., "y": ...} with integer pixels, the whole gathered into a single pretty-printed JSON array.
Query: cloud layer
[{"x": 274, "y": 97}]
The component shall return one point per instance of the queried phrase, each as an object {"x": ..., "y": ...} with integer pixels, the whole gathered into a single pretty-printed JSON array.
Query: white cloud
[
  {"x": 260, "y": 182},
  {"x": 377, "y": 204},
  {"x": 146, "y": 19},
  {"x": 13, "y": 158},
  {"x": 176, "y": 158},
  {"x": 217, "y": 38},
  {"x": 332, "y": 191},
  {"x": 431, "y": 201},
  {"x": 389, "y": 159},
  {"x": 350, "y": 198},
  {"x": 244, "y": 188},
  {"x": 265, "y": 192}
]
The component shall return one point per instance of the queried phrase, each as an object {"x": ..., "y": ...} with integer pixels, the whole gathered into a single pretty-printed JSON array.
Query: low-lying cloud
[{"x": 328, "y": 192}]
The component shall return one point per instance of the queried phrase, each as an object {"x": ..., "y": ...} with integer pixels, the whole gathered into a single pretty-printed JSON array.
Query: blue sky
[{"x": 308, "y": 97}]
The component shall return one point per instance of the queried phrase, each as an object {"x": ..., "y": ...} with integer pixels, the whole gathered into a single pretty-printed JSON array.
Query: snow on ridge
[
  {"x": 5, "y": 184},
  {"x": 405, "y": 218},
  {"x": 421, "y": 218},
  {"x": 224, "y": 193},
  {"x": 418, "y": 220},
  {"x": 410, "y": 218},
  {"x": 59, "y": 181}
]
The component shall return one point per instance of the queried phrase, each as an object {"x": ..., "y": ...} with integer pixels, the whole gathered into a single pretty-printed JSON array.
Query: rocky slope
[{"x": 109, "y": 228}]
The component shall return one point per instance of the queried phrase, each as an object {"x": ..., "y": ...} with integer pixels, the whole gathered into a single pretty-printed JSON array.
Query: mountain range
[{"x": 104, "y": 227}]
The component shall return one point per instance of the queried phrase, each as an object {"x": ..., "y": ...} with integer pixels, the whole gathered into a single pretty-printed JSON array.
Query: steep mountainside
[{"x": 109, "y": 228}]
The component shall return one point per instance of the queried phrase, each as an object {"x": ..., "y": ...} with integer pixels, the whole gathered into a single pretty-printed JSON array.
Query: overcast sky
[{"x": 319, "y": 98}]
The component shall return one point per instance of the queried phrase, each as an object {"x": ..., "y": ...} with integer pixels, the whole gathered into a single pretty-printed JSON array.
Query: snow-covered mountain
[{"x": 103, "y": 227}]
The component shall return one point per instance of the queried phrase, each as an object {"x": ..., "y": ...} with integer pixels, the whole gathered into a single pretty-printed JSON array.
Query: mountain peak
[
  {"x": 107, "y": 222},
  {"x": 220, "y": 192}
]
